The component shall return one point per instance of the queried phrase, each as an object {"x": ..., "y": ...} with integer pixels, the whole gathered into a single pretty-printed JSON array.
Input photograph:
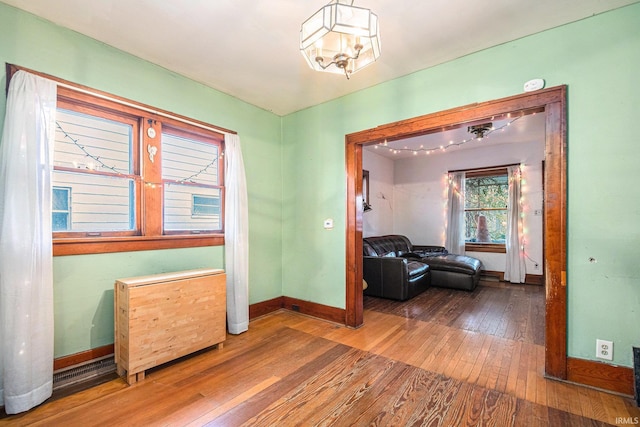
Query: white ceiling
[{"x": 250, "y": 48}]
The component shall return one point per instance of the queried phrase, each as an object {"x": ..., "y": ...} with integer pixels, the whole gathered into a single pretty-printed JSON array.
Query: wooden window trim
[
  {"x": 499, "y": 248},
  {"x": 148, "y": 236},
  {"x": 78, "y": 246}
]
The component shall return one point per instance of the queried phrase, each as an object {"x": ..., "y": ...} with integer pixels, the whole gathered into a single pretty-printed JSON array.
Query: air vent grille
[{"x": 83, "y": 372}]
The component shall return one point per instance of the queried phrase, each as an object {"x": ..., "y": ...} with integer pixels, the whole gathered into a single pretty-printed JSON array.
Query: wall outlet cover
[{"x": 604, "y": 349}]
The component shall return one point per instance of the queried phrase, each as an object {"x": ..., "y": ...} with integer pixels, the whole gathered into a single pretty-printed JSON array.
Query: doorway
[{"x": 552, "y": 102}]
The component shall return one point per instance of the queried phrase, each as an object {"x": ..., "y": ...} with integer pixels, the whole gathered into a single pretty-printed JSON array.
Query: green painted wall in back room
[
  {"x": 598, "y": 59},
  {"x": 83, "y": 285}
]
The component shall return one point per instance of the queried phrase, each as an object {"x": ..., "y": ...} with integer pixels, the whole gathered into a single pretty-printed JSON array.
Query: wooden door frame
[{"x": 553, "y": 102}]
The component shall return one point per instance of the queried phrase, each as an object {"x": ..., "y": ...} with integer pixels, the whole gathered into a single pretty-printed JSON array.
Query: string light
[
  {"x": 451, "y": 143},
  {"x": 201, "y": 171},
  {"x": 92, "y": 166}
]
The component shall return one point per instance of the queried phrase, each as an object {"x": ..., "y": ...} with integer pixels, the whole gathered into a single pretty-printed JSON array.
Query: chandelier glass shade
[{"x": 340, "y": 38}]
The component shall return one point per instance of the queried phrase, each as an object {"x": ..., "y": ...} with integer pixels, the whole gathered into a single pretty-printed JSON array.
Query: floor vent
[{"x": 83, "y": 372}]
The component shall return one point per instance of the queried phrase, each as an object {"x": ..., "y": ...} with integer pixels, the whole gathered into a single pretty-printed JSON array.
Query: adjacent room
[{"x": 345, "y": 212}]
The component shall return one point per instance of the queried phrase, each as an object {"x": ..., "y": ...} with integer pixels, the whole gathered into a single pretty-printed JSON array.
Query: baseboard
[
  {"x": 614, "y": 378},
  {"x": 83, "y": 356},
  {"x": 497, "y": 274},
  {"x": 320, "y": 311},
  {"x": 529, "y": 279},
  {"x": 325, "y": 312},
  {"x": 534, "y": 279},
  {"x": 265, "y": 307}
]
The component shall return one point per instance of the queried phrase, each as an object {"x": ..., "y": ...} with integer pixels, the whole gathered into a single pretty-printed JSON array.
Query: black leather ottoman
[{"x": 454, "y": 271}]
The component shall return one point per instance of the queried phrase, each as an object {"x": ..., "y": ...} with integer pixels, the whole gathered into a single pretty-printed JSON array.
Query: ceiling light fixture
[
  {"x": 340, "y": 38},
  {"x": 480, "y": 130}
]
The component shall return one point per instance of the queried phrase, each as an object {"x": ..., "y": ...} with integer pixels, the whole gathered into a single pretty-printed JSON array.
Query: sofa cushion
[
  {"x": 453, "y": 263},
  {"x": 380, "y": 245}
]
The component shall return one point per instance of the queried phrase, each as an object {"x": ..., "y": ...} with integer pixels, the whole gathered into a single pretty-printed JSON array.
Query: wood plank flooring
[{"x": 406, "y": 366}]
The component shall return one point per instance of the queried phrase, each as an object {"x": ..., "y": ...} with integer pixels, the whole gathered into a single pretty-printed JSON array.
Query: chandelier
[{"x": 340, "y": 38}]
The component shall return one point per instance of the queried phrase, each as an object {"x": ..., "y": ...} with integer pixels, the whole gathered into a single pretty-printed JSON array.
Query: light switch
[{"x": 328, "y": 223}]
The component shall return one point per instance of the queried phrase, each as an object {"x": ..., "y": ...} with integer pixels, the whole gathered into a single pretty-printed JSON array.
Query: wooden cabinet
[{"x": 161, "y": 317}]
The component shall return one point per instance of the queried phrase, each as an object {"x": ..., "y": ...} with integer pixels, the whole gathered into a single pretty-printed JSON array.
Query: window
[
  {"x": 205, "y": 206},
  {"x": 190, "y": 164},
  {"x": 93, "y": 158},
  {"x": 127, "y": 177},
  {"x": 486, "y": 201},
  {"x": 61, "y": 212}
]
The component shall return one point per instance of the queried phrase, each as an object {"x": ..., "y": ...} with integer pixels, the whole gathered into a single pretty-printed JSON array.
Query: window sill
[
  {"x": 485, "y": 247},
  {"x": 79, "y": 246}
]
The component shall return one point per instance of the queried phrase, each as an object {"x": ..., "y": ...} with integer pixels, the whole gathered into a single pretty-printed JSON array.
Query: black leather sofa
[
  {"x": 395, "y": 268},
  {"x": 391, "y": 274}
]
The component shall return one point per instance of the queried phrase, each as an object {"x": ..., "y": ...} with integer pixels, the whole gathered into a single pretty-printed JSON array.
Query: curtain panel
[
  {"x": 236, "y": 237},
  {"x": 26, "y": 264},
  {"x": 515, "y": 271},
  {"x": 455, "y": 214}
]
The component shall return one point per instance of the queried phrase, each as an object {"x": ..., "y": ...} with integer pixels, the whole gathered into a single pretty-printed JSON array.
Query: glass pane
[
  {"x": 60, "y": 221},
  {"x": 60, "y": 199},
  {"x": 204, "y": 205},
  {"x": 99, "y": 203},
  {"x": 486, "y": 226},
  {"x": 189, "y": 160},
  {"x": 181, "y": 213},
  {"x": 88, "y": 142},
  {"x": 486, "y": 192}
]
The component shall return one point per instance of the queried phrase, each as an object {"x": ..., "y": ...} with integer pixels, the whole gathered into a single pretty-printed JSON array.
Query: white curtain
[
  {"x": 236, "y": 237},
  {"x": 26, "y": 277},
  {"x": 455, "y": 214},
  {"x": 515, "y": 267}
]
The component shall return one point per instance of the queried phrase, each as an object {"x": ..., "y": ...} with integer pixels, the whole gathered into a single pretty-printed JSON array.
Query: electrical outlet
[{"x": 604, "y": 349}]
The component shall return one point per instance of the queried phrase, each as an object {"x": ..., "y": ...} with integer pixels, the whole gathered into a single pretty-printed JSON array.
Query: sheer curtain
[
  {"x": 26, "y": 277},
  {"x": 515, "y": 267},
  {"x": 236, "y": 237},
  {"x": 455, "y": 217}
]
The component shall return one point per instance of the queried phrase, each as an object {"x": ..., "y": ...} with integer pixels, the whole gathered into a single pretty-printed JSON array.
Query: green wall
[
  {"x": 83, "y": 285},
  {"x": 598, "y": 58},
  {"x": 296, "y": 168}
]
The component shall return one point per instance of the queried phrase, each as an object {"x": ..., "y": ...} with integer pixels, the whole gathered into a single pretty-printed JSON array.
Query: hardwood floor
[{"x": 449, "y": 362}]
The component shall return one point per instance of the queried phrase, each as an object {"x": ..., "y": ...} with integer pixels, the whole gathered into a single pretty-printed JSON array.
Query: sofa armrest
[{"x": 386, "y": 276}]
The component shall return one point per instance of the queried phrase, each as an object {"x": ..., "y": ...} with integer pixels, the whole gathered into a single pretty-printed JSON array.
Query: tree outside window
[{"x": 486, "y": 201}]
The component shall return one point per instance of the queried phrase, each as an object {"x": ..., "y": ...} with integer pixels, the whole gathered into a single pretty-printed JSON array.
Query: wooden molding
[
  {"x": 78, "y": 246},
  {"x": 320, "y": 311},
  {"x": 533, "y": 279},
  {"x": 83, "y": 356},
  {"x": 618, "y": 379},
  {"x": 552, "y": 103},
  {"x": 265, "y": 307},
  {"x": 529, "y": 279},
  {"x": 11, "y": 69},
  {"x": 485, "y": 247}
]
